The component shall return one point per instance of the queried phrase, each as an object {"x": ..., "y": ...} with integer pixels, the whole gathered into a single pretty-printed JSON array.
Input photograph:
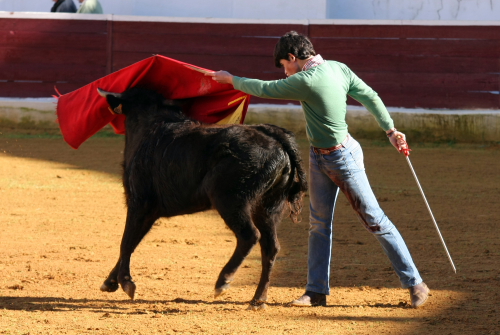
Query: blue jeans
[{"x": 343, "y": 169}]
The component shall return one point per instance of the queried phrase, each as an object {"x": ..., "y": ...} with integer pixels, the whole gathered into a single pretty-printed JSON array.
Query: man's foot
[
  {"x": 310, "y": 299},
  {"x": 419, "y": 294}
]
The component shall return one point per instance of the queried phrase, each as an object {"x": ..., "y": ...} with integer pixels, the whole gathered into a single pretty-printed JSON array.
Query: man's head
[
  {"x": 80, "y": 1},
  {"x": 295, "y": 44}
]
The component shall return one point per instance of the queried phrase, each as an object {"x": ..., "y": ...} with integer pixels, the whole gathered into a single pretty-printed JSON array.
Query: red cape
[{"x": 83, "y": 112}]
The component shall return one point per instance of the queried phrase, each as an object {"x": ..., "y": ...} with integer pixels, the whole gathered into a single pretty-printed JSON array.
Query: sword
[{"x": 406, "y": 152}]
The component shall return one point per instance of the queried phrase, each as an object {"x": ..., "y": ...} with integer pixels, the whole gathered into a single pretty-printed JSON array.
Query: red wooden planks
[
  {"x": 63, "y": 56},
  {"x": 36, "y": 89},
  {"x": 51, "y": 72},
  {"x": 197, "y": 44},
  {"x": 354, "y": 31},
  {"x": 56, "y": 40},
  {"x": 455, "y": 32},
  {"x": 54, "y": 26},
  {"x": 404, "y": 31},
  {"x": 414, "y": 47},
  {"x": 191, "y": 28}
]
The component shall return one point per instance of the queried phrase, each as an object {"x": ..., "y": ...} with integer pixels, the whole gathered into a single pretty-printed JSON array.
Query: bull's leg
[
  {"x": 269, "y": 246},
  {"x": 246, "y": 236},
  {"x": 111, "y": 283},
  {"x": 137, "y": 226}
]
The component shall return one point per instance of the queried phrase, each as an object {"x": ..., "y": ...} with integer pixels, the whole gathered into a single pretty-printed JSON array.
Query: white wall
[
  {"x": 243, "y": 9},
  {"x": 475, "y": 10}
]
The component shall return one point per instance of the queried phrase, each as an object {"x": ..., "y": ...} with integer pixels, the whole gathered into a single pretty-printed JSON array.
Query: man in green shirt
[
  {"x": 336, "y": 159},
  {"x": 90, "y": 7}
]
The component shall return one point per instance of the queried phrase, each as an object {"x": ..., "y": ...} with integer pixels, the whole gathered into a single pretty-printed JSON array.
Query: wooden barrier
[
  {"x": 38, "y": 54},
  {"x": 420, "y": 66},
  {"x": 409, "y": 65}
]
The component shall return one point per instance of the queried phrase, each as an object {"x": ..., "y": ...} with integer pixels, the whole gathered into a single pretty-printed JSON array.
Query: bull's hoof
[
  {"x": 129, "y": 288},
  {"x": 257, "y": 306},
  {"x": 109, "y": 286},
  {"x": 221, "y": 290}
]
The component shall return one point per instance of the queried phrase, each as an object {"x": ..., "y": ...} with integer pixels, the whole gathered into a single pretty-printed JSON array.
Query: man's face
[
  {"x": 290, "y": 65},
  {"x": 80, "y": 1}
]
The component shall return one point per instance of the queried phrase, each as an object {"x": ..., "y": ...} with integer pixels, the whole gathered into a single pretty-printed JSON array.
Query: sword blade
[{"x": 430, "y": 212}]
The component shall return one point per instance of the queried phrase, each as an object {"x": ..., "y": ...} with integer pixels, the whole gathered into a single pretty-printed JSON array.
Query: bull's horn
[{"x": 104, "y": 93}]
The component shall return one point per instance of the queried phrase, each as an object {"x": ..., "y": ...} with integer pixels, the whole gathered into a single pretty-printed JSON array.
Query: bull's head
[{"x": 136, "y": 96}]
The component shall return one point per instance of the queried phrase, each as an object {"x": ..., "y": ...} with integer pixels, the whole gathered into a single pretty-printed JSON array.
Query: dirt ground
[{"x": 62, "y": 214}]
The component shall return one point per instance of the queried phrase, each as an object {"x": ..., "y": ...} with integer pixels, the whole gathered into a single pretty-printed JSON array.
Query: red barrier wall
[
  {"x": 408, "y": 65},
  {"x": 420, "y": 66}
]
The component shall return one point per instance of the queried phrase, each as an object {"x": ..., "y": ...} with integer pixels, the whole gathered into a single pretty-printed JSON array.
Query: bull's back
[{"x": 180, "y": 169}]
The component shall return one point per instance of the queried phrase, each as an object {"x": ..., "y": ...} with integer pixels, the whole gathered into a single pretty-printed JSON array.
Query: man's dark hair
[{"x": 294, "y": 43}]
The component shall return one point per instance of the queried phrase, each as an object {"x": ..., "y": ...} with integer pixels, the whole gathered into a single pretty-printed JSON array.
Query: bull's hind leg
[
  {"x": 137, "y": 226},
  {"x": 266, "y": 223},
  {"x": 246, "y": 237}
]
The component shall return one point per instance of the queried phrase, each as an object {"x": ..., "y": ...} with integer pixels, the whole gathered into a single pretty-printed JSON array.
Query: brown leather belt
[{"x": 327, "y": 151}]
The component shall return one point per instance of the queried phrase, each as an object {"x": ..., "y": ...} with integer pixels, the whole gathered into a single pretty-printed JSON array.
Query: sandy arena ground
[{"x": 62, "y": 215}]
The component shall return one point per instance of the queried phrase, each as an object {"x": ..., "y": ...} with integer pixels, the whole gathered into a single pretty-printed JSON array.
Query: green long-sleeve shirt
[{"x": 322, "y": 91}]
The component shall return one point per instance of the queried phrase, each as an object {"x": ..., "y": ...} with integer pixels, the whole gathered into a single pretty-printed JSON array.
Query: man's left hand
[{"x": 398, "y": 140}]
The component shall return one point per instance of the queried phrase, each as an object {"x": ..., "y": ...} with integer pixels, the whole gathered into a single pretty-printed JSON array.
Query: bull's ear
[
  {"x": 118, "y": 109},
  {"x": 114, "y": 101}
]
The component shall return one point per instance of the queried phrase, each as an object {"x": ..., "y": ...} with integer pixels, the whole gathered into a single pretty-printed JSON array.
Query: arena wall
[{"x": 434, "y": 67}]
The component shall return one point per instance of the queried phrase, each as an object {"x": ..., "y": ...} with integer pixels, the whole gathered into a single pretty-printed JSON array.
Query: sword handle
[{"x": 405, "y": 151}]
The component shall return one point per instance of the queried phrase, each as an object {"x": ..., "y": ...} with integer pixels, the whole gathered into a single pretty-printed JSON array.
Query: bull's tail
[{"x": 297, "y": 184}]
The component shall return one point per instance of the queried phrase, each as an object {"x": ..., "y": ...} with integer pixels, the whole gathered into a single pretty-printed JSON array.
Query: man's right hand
[{"x": 222, "y": 77}]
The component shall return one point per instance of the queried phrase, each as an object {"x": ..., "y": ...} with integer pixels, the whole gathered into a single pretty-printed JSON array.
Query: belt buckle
[
  {"x": 329, "y": 150},
  {"x": 325, "y": 151}
]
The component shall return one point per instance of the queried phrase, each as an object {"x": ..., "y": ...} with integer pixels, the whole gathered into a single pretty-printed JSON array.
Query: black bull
[{"x": 174, "y": 165}]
